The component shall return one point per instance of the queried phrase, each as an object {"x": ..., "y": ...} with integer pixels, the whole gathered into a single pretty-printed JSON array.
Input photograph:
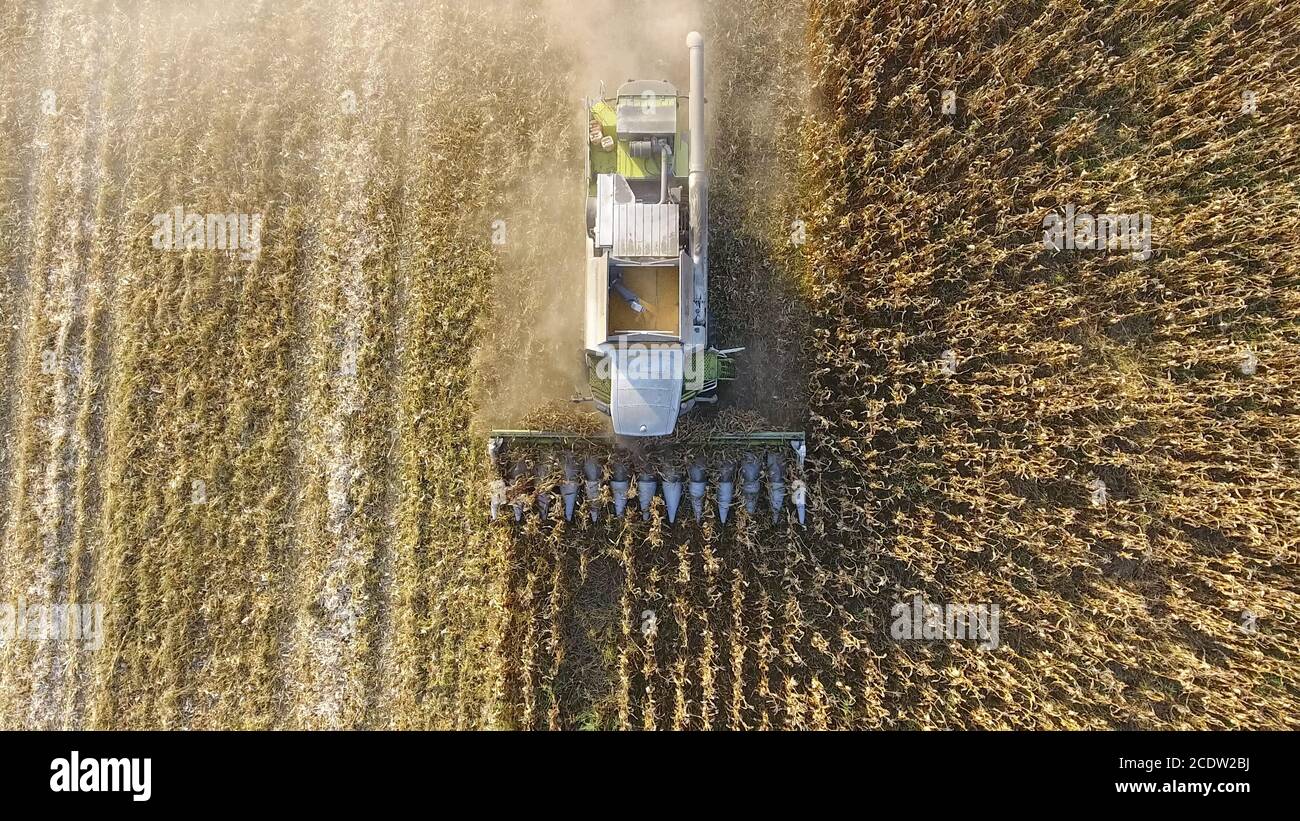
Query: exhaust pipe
[{"x": 699, "y": 182}]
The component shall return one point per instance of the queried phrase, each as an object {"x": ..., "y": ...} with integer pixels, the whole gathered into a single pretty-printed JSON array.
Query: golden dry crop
[{"x": 270, "y": 470}]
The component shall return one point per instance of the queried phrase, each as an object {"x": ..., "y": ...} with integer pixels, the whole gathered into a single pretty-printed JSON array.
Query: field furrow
[
  {"x": 39, "y": 541},
  {"x": 351, "y": 265}
]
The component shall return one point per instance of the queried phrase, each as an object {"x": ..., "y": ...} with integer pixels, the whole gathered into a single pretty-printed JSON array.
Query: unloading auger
[{"x": 649, "y": 353}]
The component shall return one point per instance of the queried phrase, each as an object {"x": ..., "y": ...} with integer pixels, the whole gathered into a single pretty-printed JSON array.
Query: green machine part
[{"x": 620, "y": 160}]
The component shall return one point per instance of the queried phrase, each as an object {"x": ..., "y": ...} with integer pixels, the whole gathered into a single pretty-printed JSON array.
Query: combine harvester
[{"x": 650, "y": 358}]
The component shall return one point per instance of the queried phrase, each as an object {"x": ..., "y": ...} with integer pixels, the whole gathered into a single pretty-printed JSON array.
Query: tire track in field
[
  {"x": 27, "y": 133},
  {"x": 349, "y": 445},
  {"x": 41, "y": 530},
  {"x": 19, "y": 123},
  {"x": 27, "y": 124},
  {"x": 105, "y": 240},
  {"x": 382, "y": 695}
]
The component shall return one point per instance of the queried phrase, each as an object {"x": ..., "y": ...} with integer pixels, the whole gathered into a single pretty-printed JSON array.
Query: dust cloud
[
  {"x": 618, "y": 40},
  {"x": 532, "y": 356}
]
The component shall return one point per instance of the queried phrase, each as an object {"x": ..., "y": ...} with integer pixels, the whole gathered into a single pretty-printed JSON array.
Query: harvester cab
[{"x": 649, "y": 352}]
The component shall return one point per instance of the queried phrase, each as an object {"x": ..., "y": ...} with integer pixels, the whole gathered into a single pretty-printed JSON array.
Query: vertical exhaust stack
[{"x": 699, "y": 182}]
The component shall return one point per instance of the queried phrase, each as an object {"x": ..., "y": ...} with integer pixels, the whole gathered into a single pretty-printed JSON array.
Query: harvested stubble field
[{"x": 269, "y": 470}]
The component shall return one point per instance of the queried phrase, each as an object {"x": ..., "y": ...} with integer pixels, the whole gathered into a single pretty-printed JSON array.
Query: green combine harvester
[{"x": 649, "y": 352}]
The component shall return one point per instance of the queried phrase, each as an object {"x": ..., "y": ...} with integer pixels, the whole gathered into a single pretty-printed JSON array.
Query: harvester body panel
[{"x": 646, "y": 386}]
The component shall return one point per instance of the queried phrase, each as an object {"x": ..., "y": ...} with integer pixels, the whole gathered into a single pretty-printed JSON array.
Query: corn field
[{"x": 269, "y": 468}]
